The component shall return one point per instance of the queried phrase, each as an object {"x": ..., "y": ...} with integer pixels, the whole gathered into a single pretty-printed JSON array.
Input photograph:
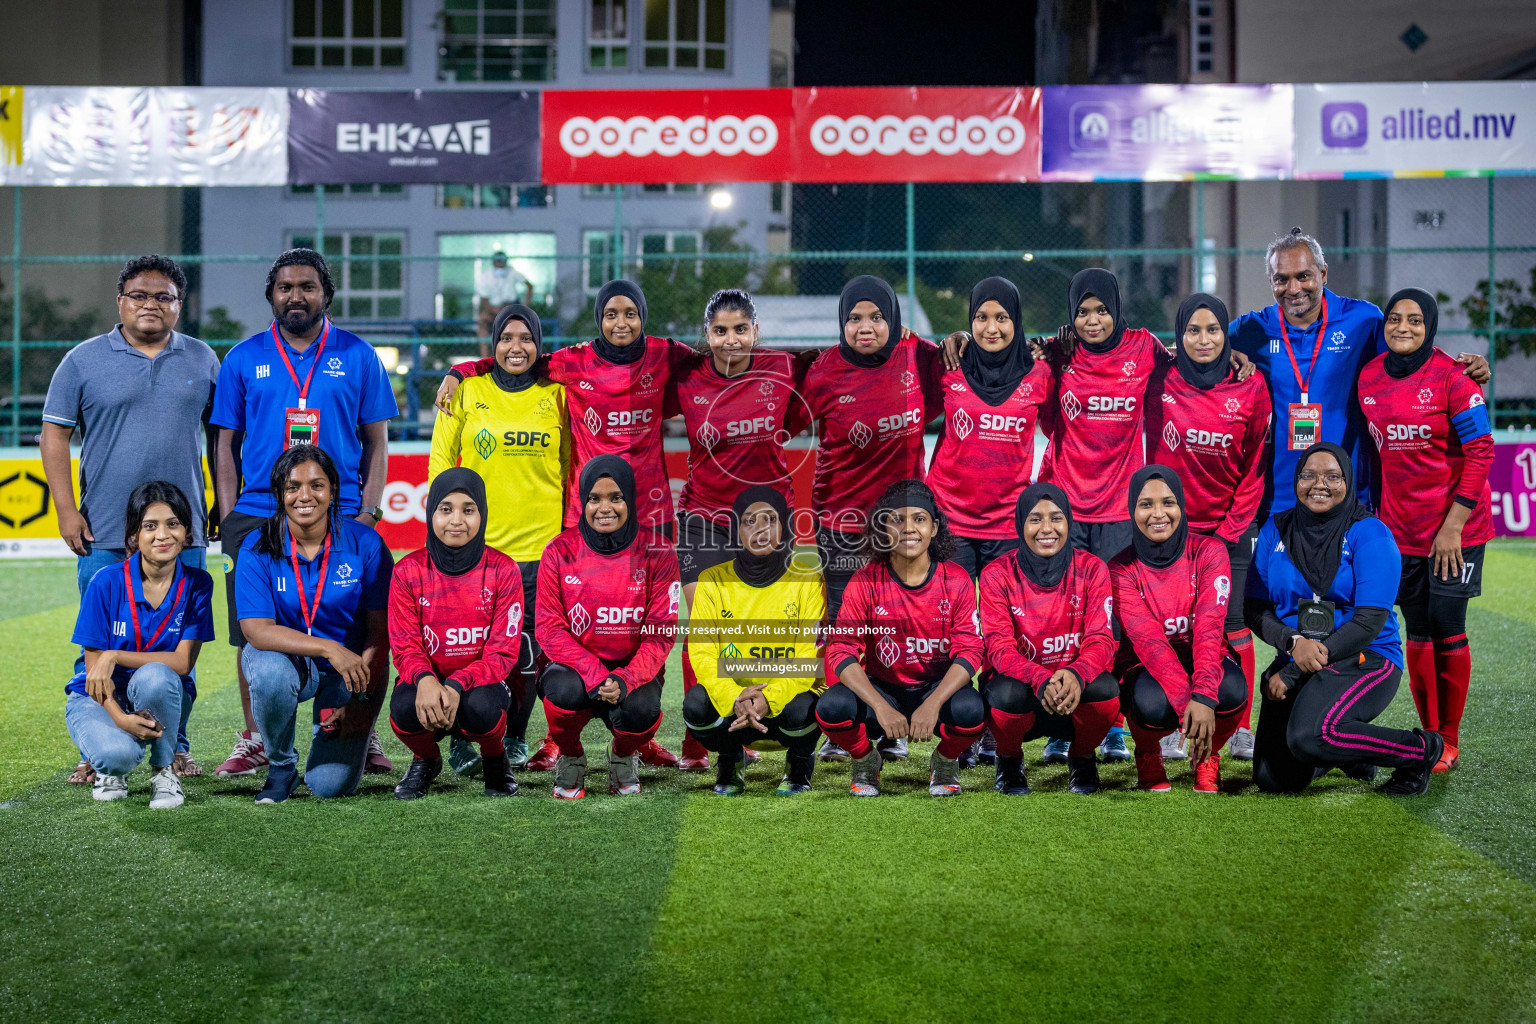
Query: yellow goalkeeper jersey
[
  {"x": 731, "y": 620},
  {"x": 519, "y": 442}
]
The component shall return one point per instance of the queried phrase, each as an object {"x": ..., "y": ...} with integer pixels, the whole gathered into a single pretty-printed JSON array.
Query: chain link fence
[{"x": 412, "y": 291}]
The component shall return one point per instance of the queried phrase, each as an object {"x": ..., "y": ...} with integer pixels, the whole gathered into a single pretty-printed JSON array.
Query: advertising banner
[
  {"x": 159, "y": 136},
  {"x": 916, "y": 134},
  {"x": 337, "y": 137},
  {"x": 1513, "y": 481},
  {"x": 1415, "y": 128},
  {"x": 11, "y": 98},
  {"x": 1166, "y": 132},
  {"x": 650, "y": 136}
]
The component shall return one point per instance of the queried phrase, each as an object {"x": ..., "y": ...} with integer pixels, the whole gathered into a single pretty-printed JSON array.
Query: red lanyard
[
  {"x": 1322, "y": 332},
  {"x": 293, "y": 557},
  {"x": 133, "y": 607},
  {"x": 282, "y": 350}
]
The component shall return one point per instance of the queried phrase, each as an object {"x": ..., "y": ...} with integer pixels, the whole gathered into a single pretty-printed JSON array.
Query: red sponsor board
[
  {"x": 405, "y": 498},
  {"x": 916, "y": 134},
  {"x": 650, "y": 136}
]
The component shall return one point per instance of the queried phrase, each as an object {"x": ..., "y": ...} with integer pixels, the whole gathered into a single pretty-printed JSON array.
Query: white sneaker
[
  {"x": 109, "y": 787},
  {"x": 1173, "y": 747},
  {"x": 1241, "y": 745},
  {"x": 164, "y": 790}
]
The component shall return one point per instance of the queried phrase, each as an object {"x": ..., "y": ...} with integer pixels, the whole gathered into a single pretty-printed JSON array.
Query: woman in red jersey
[
  {"x": 905, "y": 646},
  {"x": 1172, "y": 589},
  {"x": 1435, "y": 445},
  {"x": 608, "y": 599},
  {"x": 1047, "y": 616},
  {"x": 740, "y": 405},
  {"x": 992, "y": 404},
  {"x": 455, "y": 632},
  {"x": 1210, "y": 427}
]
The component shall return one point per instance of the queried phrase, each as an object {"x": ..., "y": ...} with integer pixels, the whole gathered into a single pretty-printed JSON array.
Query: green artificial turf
[{"x": 1338, "y": 905}]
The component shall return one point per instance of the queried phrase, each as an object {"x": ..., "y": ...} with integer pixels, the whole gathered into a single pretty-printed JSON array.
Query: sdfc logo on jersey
[
  {"x": 1071, "y": 406},
  {"x": 579, "y": 619},
  {"x": 888, "y": 652},
  {"x": 962, "y": 423},
  {"x": 485, "y": 444},
  {"x": 859, "y": 434},
  {"x": 1171, "y": 437},
  {"x": 593, "y": 421},
  {"x": 429, "y": 639}
]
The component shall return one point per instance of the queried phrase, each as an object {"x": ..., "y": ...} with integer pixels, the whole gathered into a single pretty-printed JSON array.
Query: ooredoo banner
[
  {"x": 1166, "y": 132},
  {"x": 339, "y": 137},
  {"x": 1382, "y": 129},
  {"x": 916, "y": 134},
  {"x": 656, "y": 136}
]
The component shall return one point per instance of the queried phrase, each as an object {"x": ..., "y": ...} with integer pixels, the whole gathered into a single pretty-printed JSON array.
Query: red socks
[
  {"x": 565, "y": 728},
  {"x": 1090, "y": 724},
  {"x": 1146, "y": 739},
  {"x": 626, "y": 743},
  {"x": 953, "y": 742},
  {"x": 1226, "y": 725},
  {"x": 1421, "y": 681},
  {"x": 1453, "y": 673},
  {"x": 1241, "y": 643},
  {"x": 421, "y": 744},
  {"x": 851, "y": 736},
  {"x": 492, "y": 743},
  {"x": 1009, "y": 731}
]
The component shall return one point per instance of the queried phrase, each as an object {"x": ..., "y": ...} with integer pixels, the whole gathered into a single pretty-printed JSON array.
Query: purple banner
[
  {"x": 1513, "y": 481},
  {"x": 1166, "y": 132}
]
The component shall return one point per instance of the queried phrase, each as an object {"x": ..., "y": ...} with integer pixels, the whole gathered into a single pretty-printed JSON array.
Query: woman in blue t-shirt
[
  {"x": 1325, "y": 575},
  {"x": 141, "y": 624},
  {"x": 312, "y": 587}
]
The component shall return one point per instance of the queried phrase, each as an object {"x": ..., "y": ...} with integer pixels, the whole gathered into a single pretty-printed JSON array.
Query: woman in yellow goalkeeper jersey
[
  {"x": 753, "y": 644},
  {"x": 511, "y": 427}
]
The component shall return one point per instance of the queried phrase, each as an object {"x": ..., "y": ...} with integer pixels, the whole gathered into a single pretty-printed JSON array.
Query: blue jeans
[
  {"x": 113, "y": 751},
  {"x": 87, "y": 566},
  {"x": 279, "y": 684}
]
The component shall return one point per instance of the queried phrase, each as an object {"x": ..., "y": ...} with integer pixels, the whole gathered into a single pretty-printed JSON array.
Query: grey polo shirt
[{"x": 141, "y": 419}]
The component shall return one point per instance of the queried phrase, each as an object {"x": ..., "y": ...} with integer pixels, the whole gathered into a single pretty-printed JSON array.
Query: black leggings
[
  {"x": 842, "y": 555},
  {"x": 794, "y": 727},
  {"x": 1143, "y": 701},
  {"x": 1435, "y": 617},
  {"x": 1012, "y": 697},
  {"x": 841, "y": 708},
  {"x": 639, "y": 711},
  {"x": 1324, "y": 722},
  {"x": 482, "y": 710}
]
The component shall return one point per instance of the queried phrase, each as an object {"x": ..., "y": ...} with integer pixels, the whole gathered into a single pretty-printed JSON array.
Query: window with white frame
[
  {"x": 601, "y": 264},
  {"x": 608, "y": 35},
  {"x": 494, "y": 197},
  {"x": 497, "y": 41},
  {"x": 685, "y": 35},
  {"x": 356, "y": 35},
  {"x": 366, "y": 270},
  {"x": 350, "y": 191},
  {"x": 671, "y": 243}
]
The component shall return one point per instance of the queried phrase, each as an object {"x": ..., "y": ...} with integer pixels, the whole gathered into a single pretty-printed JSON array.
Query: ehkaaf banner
[
  {"x": 1415, "y": 128},
  {"x": 1166, "y": 132},
  {"x": 338, "y": 137}
]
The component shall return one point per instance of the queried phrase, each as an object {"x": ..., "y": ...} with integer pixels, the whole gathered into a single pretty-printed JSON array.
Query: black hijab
[
  {"x": 515, "y": 311},
  {"x": 1315, "y": 543},
  {"x": 1159, "y": 555},
  {"x": 868, "y": 288},
  {"x": 456, "y": 561},
  {"x": 632, "y": 352},
  {"x": 1398, "y": 366},
  {"x": 1102, "y": 285},
  {"x": 1043, "y": 570},
  {"x": 1202, "y": 375},
  {"x": 994, "y": 376},
  {"x": 595, "y": 469},
  {"x": 762, "y": 570}
]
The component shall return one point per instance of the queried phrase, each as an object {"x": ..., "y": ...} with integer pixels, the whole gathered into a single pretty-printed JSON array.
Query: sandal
[
  {"x": 83, "y": 775},
  {"x": 185, "y": 767}
]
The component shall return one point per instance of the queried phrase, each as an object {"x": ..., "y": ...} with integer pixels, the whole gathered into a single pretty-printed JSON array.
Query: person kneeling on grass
[
  {"x": 313, "y": 589},
  {"x": 455, "y": 630},
  {"x": 758, "y": 607},
  {"x": 608, "y": 593},
  {"x": 1176, "y": 671},
  {"x": 141, "y": 623},
  {"x": 905, "y": 645},
  {"x": 1048, "y": 618},
  {"x": 1325, "y": 574}
]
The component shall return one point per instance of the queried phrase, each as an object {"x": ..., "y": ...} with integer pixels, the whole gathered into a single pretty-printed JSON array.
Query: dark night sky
[{"x": 914, "y": 42}]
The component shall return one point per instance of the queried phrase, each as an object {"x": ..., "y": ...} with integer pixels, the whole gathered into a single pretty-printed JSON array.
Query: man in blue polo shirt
[{"x": 302, "y": 380}]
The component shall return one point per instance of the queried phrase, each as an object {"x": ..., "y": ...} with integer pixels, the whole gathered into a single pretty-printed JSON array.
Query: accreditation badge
[
  {"x": 1314, "y": 619},
  {"x": 1304, "y": 426},
  {"x": 301, "y": 426}
]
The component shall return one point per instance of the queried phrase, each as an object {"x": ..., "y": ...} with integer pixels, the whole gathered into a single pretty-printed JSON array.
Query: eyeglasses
[
  {"x": 146, "y": 299},
  {"x": 1331, "y": 479}
]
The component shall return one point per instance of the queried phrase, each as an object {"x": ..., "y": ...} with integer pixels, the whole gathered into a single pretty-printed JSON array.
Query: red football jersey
[
  {"x": 869, "y": 423},
  {"x": 906, "y": 636},
  {"x": 1215, "y": 441},
  {"x": 608, "y": 614},
  {"x": 1033, "y": 631},
  {"x": 1095, "y": 445},
  {"x": 615, "y": 410},
  {"x": 1174, "y": 619},
  {"x": 465, "y": 627},
  {"x": 737, "y": 428},
  {"x": 986, "y": 453},
  {"x": 1435, "y": 444}
]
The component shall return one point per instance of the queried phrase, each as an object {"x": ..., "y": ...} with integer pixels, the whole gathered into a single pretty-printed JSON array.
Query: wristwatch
[{"x": 375, "y": 513}]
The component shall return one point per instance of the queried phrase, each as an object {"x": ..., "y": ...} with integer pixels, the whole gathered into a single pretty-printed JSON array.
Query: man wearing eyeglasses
[{"x": 140, "y": 396}]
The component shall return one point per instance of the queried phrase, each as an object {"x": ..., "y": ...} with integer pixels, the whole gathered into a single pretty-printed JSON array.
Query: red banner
[
  {"x": 647, "y": 136},
  {"x": 916, "y": 134}
]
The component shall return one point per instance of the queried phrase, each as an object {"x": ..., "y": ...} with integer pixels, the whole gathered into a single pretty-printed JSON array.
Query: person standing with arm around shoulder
[
  {"x": 140, "y": 397},
  {"x": 1434, "y": 440},
  {"x": 302, "y": 380}
]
